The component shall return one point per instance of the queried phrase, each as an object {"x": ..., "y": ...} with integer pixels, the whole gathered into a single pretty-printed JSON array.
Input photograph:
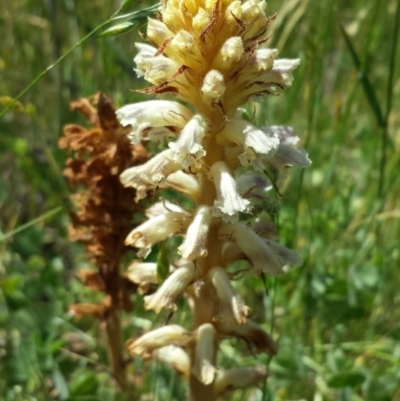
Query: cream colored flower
[
  {"x": 145, "y": 345},
  {"x": 228, "y": 203},
  {"x": 153, "y": 113},
  {"x": 155, "y": 230},
  {"x": 150, "y": 175},
  {"x": 142, "y": 274},
  {"x": 188, "y": 148},
  {"x": 253, "y": 140}
]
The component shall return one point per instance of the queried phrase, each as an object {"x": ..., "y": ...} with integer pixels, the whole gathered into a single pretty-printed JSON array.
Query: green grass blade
[
  {"x": 392, "y": 61},
  {"x": 30, "y": 223},
  {"x": 365, "y": 82}
]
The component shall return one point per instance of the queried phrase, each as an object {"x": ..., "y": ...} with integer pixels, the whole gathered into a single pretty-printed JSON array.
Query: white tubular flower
[
  {"x": 155, "y": 68},
  {"x": 252, "y": 186},
  {"x": 253, "y": 140},
  {"x": 149, "y": 175},
  {"x": 145, "y": 345},
  {"x": 170, "y": 290},
  {"x": 251, "y": 332},
  {"x": 229, "y": 299},
  {"x": 195, "y": 243},
  {"x": 257, "y": 251},
  {"x": 281, "y": 73},
  {"x": 234, "y": 379},
  {"x": 155, "y": 230},
  {"x": 184, "y": 183},
  {"x": 153, "y": 113},
  {"x": 230, "y": 53},
  {"x": 142, "y": 274},
  {"x": 205, "y": 346},
  {"x": 213, "y": 86},
  {"x": 187, "y": 149},
  {"x": 175, "y": 357},
  {"x": 228, "y": 203}
]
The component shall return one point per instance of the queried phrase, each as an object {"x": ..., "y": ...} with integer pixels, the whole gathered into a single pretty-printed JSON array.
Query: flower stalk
[
  {"x": 211, "y": 55},
  {"x": 103, "y": 211}
]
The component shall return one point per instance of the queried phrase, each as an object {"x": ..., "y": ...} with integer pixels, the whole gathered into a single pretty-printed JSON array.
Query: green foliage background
[{"x": 337, "y": 316}]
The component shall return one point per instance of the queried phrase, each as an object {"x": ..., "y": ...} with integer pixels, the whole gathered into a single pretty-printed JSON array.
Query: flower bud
[
  {"x": 230, "y": 53},
  {"x": 213, "y": 86}
]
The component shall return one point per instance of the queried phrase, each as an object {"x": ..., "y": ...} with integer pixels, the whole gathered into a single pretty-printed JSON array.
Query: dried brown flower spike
[{"x": 103, "y": 211}]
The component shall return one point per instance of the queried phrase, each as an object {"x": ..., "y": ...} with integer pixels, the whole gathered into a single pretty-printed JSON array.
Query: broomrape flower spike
[{"x": 212, "y": 57}]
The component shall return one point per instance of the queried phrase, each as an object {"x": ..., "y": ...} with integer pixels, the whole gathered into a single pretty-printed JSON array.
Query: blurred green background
[{"x": 337, "y": 317}]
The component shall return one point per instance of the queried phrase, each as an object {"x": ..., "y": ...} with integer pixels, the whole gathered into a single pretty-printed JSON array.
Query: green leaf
[{"x": 346, "y": 379}]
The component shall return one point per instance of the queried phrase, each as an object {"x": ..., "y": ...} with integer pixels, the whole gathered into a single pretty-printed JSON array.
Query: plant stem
[
  {"x": 115, "y": 348},
  {"x": 205, "y": 305}
]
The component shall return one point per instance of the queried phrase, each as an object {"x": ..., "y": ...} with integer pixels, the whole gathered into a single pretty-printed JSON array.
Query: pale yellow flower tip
[
  {"x": 203, "y": 366},
  {"x": 213, "y": 86},
  {"x": 145, "y": 345},
  {"x": 239, "y": 378}
]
